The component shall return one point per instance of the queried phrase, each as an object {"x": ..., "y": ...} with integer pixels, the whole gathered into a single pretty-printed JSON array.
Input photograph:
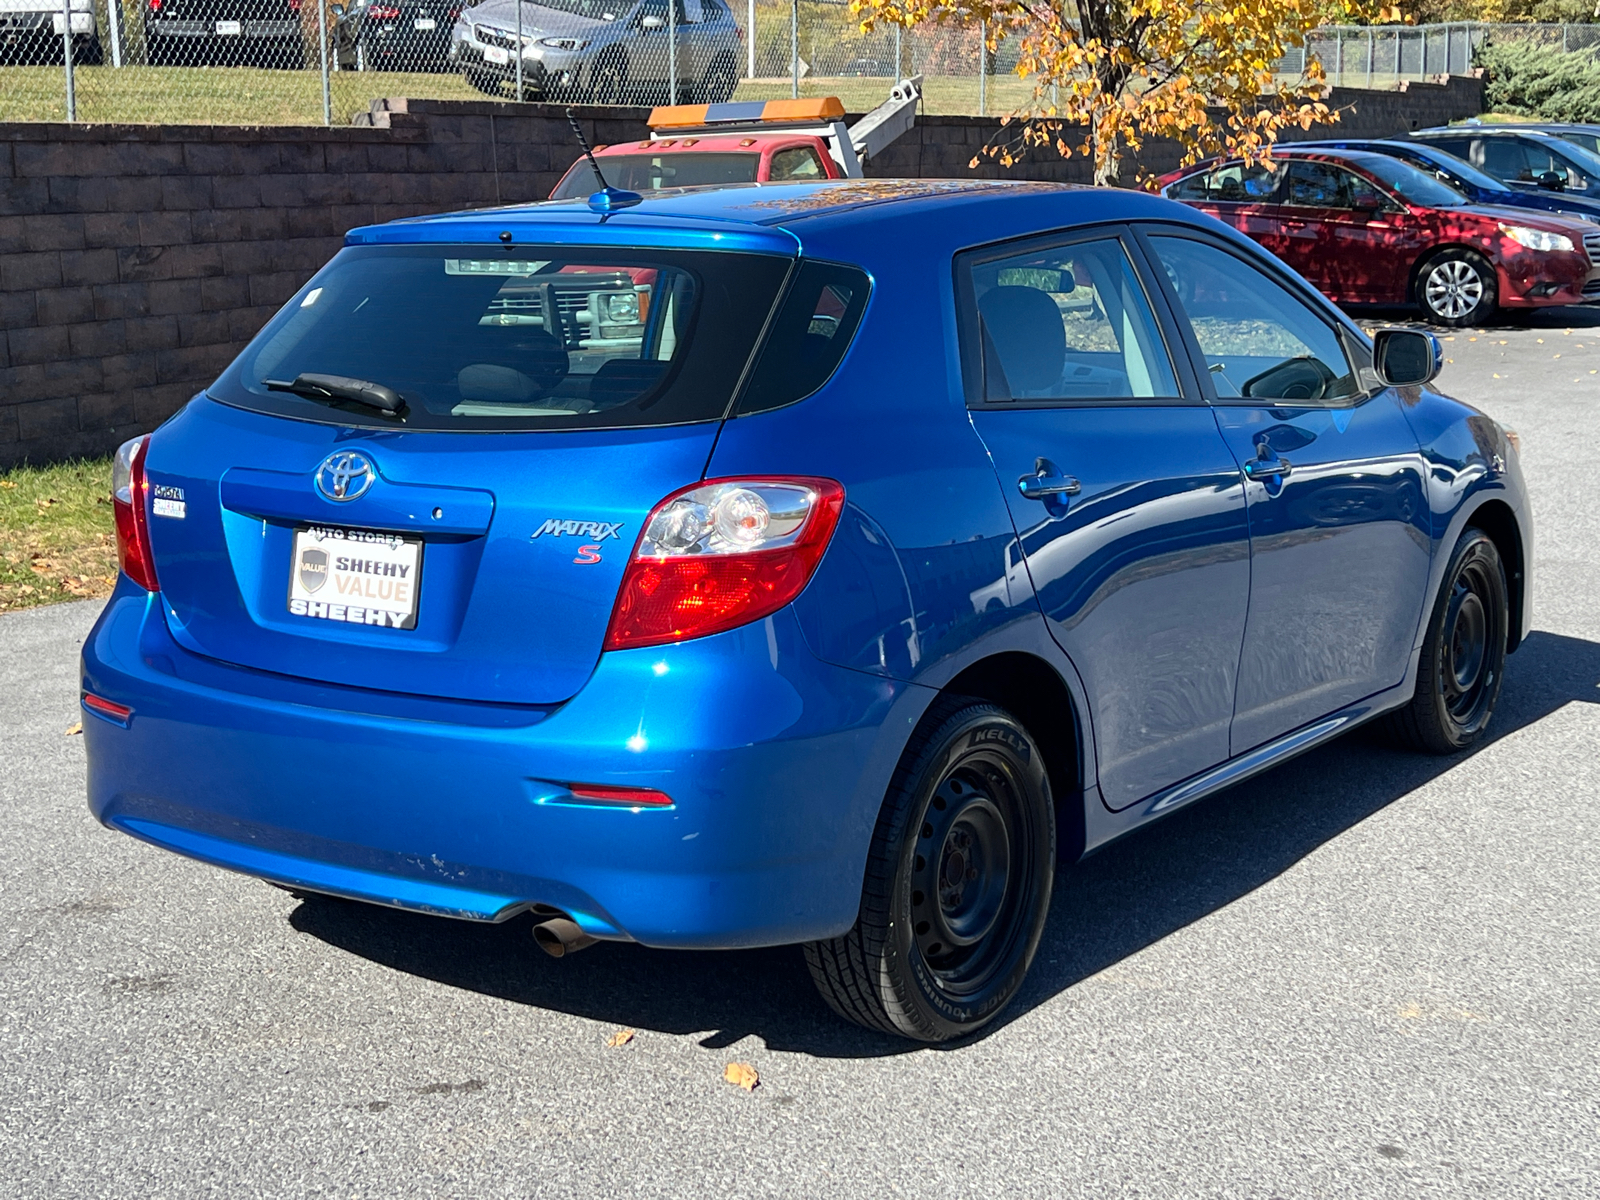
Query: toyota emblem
[{"x": 346, "y": 475}]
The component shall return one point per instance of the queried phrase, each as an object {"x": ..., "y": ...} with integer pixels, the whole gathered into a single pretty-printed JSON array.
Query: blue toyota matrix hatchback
[{"x": 817, "y": 564}]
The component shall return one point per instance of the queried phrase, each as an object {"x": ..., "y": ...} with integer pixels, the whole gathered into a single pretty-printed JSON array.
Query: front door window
[{"x": 1339, "y": 533}]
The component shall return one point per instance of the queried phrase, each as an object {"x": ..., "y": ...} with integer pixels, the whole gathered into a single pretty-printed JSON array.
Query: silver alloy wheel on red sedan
[{"x": 1457, "y": 288}]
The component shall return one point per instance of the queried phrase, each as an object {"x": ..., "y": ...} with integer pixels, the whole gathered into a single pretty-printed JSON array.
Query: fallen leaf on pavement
[
  {"x": 620, "y": 1038},
  {"x": 75, "y": 727},
  {"x": 742, "y": 1074}
]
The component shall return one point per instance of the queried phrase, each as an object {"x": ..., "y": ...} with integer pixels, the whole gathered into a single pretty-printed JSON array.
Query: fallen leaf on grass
[
  {"x": 620, "y": 1038},
  {"x": 742, "y": 1074},
  {"x": 75, "y": 727},
  {"x": 7, "y": 485}
]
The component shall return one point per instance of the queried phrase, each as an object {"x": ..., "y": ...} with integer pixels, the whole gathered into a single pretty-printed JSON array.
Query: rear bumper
[
  {"x": 44, "y": 23},
  {"x": 173, "y": 27},
  {"x": 776, "y": 762}
]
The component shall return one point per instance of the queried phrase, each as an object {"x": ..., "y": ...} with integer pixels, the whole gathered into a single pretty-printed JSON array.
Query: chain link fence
[{"x": 316, "y": 61}]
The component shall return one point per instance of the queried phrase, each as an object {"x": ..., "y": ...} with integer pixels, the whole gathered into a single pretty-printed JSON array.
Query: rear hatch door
[{"x": 474, "y": 549}]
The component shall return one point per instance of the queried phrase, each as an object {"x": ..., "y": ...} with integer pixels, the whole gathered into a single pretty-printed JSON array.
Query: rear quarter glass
[
  {"x": 814, "y": 327},
  {"x": 479, "y": 338}
]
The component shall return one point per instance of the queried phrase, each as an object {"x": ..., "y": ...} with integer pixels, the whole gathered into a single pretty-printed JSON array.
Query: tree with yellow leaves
[{"x": 1108, "y": 74}]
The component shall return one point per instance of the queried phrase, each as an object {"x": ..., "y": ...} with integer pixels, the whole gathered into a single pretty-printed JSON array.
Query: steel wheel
[
  {"x": 962, "y": 887},
  {"x": 1463, "y": 658},
  {"x": 1467, "y": 674},
  {"x": 958, "y": 882}
]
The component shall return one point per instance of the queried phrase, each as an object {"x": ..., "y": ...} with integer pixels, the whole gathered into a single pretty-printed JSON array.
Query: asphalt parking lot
[{"x": 1366, "y": 974}]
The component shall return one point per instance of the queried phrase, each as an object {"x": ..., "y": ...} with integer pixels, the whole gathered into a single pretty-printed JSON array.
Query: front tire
[
  {"x": 1457, "y": 288},
  {"x": 1464, "y": 656},
  {"x": 958, "y": 882},
  {"x": 608, "y": 84}
]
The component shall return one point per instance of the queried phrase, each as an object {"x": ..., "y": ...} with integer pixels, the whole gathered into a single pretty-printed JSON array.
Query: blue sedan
[
  {"x": 810, "y": 563},
  {"x": 1475, "y": 185}
]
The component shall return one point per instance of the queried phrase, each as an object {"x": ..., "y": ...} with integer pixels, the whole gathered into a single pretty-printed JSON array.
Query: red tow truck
[{"x": 761, "y": 141}]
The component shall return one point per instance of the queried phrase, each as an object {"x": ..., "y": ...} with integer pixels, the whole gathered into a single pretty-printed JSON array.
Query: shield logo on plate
[{"x": 313, "y": 568}]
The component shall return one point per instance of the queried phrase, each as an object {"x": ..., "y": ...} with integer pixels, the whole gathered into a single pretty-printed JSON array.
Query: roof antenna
[{"x": 608, "y": 199}]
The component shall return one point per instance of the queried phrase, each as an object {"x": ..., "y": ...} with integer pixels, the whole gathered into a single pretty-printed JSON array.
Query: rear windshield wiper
[{"x": 341, "y": 387}]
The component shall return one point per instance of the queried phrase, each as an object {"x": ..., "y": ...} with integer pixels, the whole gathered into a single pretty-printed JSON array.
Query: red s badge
[{"x": 588, "y": 554}]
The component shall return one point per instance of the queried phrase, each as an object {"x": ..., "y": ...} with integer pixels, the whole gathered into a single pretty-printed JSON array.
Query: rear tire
[
  {"x": 958, "y": 882},
  {"x": 1464, "y": 656},
  {"x": 1456, "y": 288}
]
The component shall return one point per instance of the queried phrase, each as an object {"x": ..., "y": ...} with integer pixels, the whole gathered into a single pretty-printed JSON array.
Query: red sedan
[{"x": 1369, "y": 229}]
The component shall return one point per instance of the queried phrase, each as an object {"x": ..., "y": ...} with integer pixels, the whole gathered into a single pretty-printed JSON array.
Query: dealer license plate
[
  {"x": 496, "y": 54},
  {"x": 356, "y": 576},
  {"x": 229, "y": 28},
  {"x": 426, "y": 23}
]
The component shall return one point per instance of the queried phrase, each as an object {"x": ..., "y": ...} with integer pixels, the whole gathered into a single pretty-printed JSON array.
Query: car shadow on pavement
[
  {"x": 1111, "y": 905},
  {"x": 1565, "y": 316}
]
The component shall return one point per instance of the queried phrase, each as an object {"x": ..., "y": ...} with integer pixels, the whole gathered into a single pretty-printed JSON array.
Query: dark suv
[{"x": 1519, "y": 159}]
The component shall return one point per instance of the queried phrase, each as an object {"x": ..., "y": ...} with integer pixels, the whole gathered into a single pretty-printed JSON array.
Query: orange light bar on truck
[{"x": 746, "y": 112}]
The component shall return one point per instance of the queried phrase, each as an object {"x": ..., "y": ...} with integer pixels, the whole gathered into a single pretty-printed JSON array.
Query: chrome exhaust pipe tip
[{"x": 560, "y": 937}]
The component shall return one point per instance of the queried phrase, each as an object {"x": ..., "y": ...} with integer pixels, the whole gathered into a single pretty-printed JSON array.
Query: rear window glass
[
  {"x": 1232, "y": 183},
  {"x": 469, "y": 337},
  {"x": 812, "y": 331},
  {"x": 648, "y": 172}
]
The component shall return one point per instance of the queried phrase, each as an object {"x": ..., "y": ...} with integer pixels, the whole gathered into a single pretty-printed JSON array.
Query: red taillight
[
  {"x": 382, "y": 12},
  {"x": 602, "y": 793},
  {"x": 155, "y": 6},
  {"x": 721, "y": 554},
  {"x": 107, "y": 708},
  {"x": 455, "y": 14},
  {"x": 294, "y": 6},
  {"x": 130, "y": 503}
]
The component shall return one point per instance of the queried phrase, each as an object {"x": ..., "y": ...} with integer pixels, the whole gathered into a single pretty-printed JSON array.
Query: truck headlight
[{"x": 563, "y": 43}]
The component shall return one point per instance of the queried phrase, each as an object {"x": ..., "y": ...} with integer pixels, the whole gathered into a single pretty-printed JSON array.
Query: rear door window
[
  {"x": 550, "y": 337},
  {"x": 1233, "y": 183},
  {"x": 1504, "y": 158},
  {"x": 1067, "y": 323}
]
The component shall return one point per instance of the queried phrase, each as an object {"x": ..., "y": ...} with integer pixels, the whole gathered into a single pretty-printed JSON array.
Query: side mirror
[
  {"x": 1551, "y": 181},
  {"x": 1367, "y": 202},
  {"x": 1406, "y": 357},
  {"x": 652, "y": 23}
]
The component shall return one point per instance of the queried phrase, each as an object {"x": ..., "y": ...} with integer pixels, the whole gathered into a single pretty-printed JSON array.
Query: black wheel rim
[
  {"x": 968, "y": 879},
  {"x": 1469, "y": 666}
]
